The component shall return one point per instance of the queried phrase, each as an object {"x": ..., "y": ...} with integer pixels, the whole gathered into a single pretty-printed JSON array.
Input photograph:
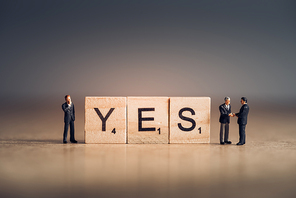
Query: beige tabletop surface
[{"x": 35, "y": 163}]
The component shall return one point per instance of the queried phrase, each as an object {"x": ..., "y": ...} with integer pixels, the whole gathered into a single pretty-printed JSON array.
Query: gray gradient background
[
  {"x": 142, "y": 48},
  {"x": 146, "y": 48},
  {"x": 171, "y": 48}
]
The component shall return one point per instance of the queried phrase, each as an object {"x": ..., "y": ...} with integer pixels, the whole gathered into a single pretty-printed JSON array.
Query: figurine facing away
[
  {"x": 242, "y": 120},
  {"x": 225, "y": 114},
  {"x": 69, "y": 118}
]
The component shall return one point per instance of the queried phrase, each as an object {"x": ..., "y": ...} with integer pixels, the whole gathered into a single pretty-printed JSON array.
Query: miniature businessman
[
  {"x": 225, "y": 114},
  {"x": 68, "y": 108},
  {"x": 242, "y": 120}
]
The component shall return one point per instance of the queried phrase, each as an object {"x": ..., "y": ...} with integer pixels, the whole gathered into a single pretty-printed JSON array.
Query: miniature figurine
[
  {"x": 225, "y": 114},
  {"x": 242, "y": 120},
  {"x": 68, "y": 108}
]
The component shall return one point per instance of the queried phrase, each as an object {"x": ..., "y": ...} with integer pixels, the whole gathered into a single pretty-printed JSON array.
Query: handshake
[{"x": 231, "y": 115}]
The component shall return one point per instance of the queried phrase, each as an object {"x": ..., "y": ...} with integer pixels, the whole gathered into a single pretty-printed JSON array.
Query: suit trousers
[
  {"x": 71, "y": 123},
  {"x": 242, "y": 133},
  {"x": 224, "y": 129}
]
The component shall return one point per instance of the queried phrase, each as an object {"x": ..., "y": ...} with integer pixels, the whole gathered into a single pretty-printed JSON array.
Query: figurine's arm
[
  {"x": 73, "y": 112},
  {"x": 65, "y": 107},
  {"x": 242, "y": 111},
  {"x": 230, "y": 114},
  {"x": 223, "y": 112}
]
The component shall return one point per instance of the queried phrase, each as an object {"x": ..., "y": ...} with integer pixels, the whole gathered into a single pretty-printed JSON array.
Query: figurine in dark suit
[
  {"x": 225, "y": 114},
  {"x": 242, "y": 120},
  {"x": 69, "y": 118}
]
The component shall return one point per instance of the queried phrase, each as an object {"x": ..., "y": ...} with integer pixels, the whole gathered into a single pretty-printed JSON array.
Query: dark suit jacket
[
  {"x": 243, "y": 114},
  {"x": 224, "y": 118},
  {"x": 69, "y": 112}
]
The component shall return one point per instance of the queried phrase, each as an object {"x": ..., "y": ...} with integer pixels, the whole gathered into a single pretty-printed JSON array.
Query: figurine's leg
[
  {"x": 243, "y": 134},
  {"x": 65, "y": 131},
  {"x": 222, "y": 127},
  {"x": 226, "y": 132},
  {"x": 72, "y": 138}
]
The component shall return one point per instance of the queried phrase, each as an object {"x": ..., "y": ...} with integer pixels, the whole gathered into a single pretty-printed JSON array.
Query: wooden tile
[
  {"x": 190, "y": 119},
  {"x": 105, "y": 120},
  {"x": 148, "y": 120}
]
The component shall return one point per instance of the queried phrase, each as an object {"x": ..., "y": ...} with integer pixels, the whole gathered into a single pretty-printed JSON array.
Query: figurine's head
[
  {"x": 68, "y": 99},
  {"x": 243, "y": 100},
  {"x": 227, "y": 100}
]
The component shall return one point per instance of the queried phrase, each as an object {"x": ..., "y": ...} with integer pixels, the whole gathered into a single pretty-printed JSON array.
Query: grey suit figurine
[
  {"x": 242, "y": 120},
  {"x": 69, "y": 118},
  {"x": 225, "y": 114}
]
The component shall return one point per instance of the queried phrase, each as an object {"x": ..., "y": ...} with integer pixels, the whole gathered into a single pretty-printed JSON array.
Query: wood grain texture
[
  {"x": 159, "y": 114},
  {"x": 200, "y": 107},
  {"x": 94, "y": 131}
]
